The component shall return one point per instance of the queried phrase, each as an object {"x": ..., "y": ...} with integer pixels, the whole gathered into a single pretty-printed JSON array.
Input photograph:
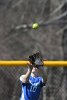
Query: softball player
[{"x": 32, "y": 81}]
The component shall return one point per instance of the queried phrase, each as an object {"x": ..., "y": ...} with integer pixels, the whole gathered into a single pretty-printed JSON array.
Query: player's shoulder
[{"x": 40, "y": 78}]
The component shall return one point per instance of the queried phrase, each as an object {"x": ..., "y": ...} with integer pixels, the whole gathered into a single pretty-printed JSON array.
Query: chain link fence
[{"x": 50, "y": 39}]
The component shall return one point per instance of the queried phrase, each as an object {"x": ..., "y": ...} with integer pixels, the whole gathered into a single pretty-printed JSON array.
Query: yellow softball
[{"x": 35, "y": 25}]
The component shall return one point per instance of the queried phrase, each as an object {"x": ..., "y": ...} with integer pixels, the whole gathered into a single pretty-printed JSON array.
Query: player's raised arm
[{"x": 25, "y": 78}]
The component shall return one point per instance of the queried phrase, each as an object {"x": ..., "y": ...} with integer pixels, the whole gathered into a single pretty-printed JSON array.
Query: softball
[{"x": 35, "y": 25}]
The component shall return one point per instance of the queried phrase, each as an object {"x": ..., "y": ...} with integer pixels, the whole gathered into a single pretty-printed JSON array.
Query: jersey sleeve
[{"x": 21, "y": 77}]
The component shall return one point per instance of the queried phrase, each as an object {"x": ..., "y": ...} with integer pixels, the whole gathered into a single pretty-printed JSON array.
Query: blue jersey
[{"x": 31, "y": 90}]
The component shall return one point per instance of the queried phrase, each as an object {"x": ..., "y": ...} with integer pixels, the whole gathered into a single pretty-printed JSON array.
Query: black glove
[{"x": 36, "y": 59}]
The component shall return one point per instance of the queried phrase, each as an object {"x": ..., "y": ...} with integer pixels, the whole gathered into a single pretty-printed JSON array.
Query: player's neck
[{"x": 34, "y": 74}]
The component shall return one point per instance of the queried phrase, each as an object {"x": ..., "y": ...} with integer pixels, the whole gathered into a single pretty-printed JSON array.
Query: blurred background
[{"x": 18, "y": 41}]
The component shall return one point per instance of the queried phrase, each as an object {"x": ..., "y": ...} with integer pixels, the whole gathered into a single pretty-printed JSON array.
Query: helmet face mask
[{"x": 36, "y": 59}]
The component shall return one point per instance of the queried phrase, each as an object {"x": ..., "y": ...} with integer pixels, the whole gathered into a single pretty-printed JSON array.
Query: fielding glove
[{"x": 36, "y": 59}]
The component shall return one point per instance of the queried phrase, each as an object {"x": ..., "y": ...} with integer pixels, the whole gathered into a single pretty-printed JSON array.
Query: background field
[{"x": 18, "y": 44}]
